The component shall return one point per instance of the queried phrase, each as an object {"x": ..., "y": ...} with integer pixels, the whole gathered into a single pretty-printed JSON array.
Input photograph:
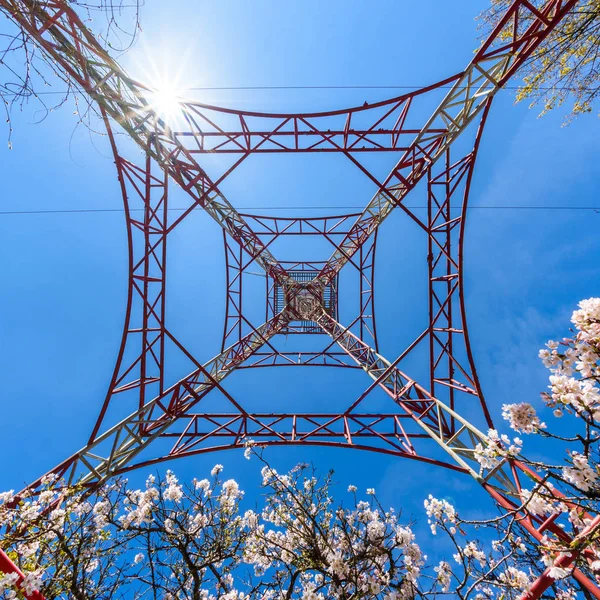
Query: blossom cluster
[
  {"x": 196, "y": 541},
  {"x": 440, "y": 512},
  {"x": 581, "y": 474},
  {"x": 522, "y": 417},
  {"x": 361, "y": 551},
  {"x": 491, "y": 574},
  {"x": 575, "y": 365},
  {"x": 489, "y": 454}
]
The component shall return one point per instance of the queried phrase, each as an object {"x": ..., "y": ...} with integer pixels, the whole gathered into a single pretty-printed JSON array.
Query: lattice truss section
[
  {"x": 147, "y": 418},
  {"x": 279, "y": 294}
]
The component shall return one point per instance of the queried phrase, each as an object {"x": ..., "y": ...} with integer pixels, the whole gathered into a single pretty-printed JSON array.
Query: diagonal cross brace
[
  {"x": 493, "y": 65},
  {"x": 58, "y": 30},
  {"x": 116, "y": 447}
]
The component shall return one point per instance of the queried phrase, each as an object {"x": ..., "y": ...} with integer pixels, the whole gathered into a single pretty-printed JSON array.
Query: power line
[
  {"x": 270, "y": 208},
  {"x": 313, "y": 87}
]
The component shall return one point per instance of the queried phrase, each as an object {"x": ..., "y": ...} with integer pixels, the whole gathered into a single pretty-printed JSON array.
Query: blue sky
[{"x": 62, "y": 308}]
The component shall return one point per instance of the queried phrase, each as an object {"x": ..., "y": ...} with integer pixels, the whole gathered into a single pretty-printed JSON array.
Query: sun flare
[{"x": 166, "y": 103}]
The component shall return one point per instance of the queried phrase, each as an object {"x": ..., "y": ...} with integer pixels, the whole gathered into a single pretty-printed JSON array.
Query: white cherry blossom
[{"x": 522, "y": 417}]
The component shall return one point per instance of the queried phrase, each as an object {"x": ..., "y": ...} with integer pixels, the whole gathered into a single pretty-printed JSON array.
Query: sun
[
  {"x": 162, "y": 74},
  {"x": 166, "y": 102}
]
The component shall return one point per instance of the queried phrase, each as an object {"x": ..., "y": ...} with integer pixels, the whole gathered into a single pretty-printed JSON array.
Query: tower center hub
[
  {"x": 304, "y": 302},
  {"x": 304, "y": 298}
]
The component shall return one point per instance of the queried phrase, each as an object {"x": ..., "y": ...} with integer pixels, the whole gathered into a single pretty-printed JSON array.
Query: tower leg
[
  {"x": 115, "y": 448},
  {"x": 503, "y": 481},
  {"x": 139, "y": 370}
]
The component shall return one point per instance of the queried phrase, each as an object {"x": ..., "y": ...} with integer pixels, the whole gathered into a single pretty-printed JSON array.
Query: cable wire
[
  {"x": 315, "y": 87},
  {"x": 269, "y": 208}
]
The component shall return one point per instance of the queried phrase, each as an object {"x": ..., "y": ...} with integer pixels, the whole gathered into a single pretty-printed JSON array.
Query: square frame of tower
[
  {"x": 239, "y": 307},
  {"x": 304, "y": 273}
]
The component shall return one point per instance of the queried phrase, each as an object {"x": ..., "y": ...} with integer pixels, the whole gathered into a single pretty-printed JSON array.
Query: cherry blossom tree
[
  {"x": 564, "y": 69},
  {"x": 195, "y": 541},
  {"x": 571, "y": 439}
]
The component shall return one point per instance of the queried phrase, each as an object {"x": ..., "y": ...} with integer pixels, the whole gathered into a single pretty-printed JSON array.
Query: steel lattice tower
[{"x": 302, "y": 297}]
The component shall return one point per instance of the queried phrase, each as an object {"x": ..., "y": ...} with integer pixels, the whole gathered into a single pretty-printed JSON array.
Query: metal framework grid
[
  {"x": 303, "y": 275},
  {"x": 301, "y": 297}
]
